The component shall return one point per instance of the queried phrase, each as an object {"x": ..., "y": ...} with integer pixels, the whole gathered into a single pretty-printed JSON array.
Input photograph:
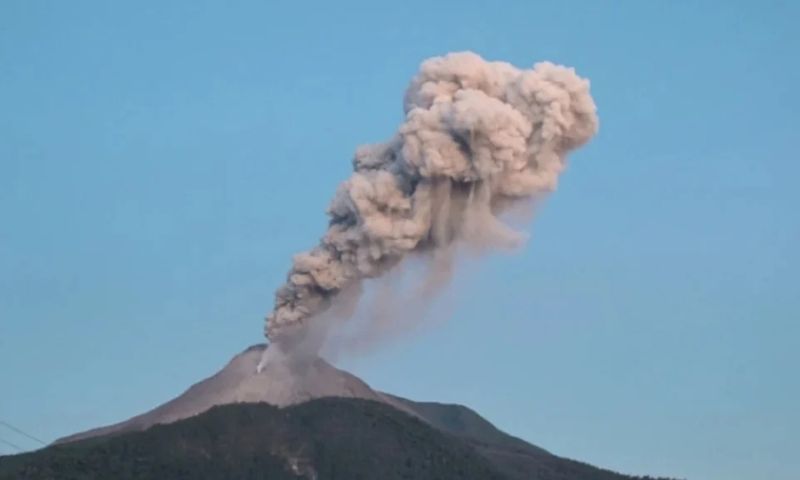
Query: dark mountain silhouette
[
  {"x": 309, "y": 421},
  {"x": 327, "y": 438}
]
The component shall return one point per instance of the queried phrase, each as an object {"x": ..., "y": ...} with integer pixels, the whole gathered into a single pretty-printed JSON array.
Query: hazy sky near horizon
[{"x": 160, "y": 163}]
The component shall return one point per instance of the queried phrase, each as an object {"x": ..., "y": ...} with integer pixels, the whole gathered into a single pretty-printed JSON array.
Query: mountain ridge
[{"x": 325, "y": 438}]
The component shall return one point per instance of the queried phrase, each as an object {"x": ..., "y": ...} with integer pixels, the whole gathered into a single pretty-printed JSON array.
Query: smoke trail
[{"x": 478, "y": 136}]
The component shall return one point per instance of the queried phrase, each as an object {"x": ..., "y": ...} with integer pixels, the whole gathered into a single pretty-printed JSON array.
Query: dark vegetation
[
  {"x": 512, "y": 456},
  {"x": 324, "y": 439}
]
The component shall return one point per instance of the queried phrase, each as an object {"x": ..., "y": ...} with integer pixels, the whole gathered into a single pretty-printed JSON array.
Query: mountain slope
[
  {"x": 291, "y": 383},
  {"x": 512, "y": 456},
  {"x": 331, "y": 438},
  {"x": 464, "y": 422}
]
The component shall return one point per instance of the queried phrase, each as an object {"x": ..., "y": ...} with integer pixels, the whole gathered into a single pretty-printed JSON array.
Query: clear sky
[{"x": 160, "y": 163}]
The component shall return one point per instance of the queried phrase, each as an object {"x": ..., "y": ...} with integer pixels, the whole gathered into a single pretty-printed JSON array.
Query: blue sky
[{"x": 160, "y": 163}]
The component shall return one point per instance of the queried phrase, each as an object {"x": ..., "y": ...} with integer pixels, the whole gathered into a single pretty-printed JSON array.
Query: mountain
[
  {"x": 278, "y": 383},
  {"x": 328, "y": 438},
  {"x": 302, "y": 419}
]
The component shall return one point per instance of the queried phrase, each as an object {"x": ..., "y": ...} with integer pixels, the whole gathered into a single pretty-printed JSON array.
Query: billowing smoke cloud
[{"x": 478, "y": 136}]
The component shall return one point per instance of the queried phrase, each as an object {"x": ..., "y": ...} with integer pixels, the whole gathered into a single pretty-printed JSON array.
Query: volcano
[{"x": 296, "y": 419}]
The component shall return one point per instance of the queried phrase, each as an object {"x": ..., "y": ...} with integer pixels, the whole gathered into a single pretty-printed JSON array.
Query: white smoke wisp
[{"x": 478, "y": 136}]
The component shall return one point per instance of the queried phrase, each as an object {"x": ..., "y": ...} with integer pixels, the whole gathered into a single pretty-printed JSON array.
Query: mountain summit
[{"x": 279, "y": 383}]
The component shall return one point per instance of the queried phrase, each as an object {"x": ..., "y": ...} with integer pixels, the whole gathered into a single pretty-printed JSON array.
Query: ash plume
[{"x": 478, "y": 137}]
